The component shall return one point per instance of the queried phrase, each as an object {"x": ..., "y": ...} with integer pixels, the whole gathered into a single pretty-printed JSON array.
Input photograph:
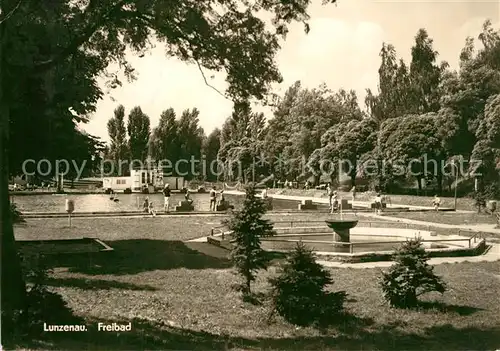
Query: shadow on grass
[
  {"x": 145, "y": 335},
  {"x": 142, "y": 255},
  {"x": 443, "y": 307},
  {"x": 95, "y": 284}
]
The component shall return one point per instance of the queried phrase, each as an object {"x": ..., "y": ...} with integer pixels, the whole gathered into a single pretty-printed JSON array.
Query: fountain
[{"x": 341, "y": 230}]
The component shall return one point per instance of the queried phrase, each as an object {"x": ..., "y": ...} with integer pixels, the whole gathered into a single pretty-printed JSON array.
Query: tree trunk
[{"x": 13, "y": 286}]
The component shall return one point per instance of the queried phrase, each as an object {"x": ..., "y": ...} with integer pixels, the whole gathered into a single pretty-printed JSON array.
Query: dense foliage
[
  {"x": 299, "y": 294},
  {"x": 423, "y": 118},
  {"x": 248, "y": 227},
  {"x": 410, "y": 276},
  {"x": 53, "y": 53}
]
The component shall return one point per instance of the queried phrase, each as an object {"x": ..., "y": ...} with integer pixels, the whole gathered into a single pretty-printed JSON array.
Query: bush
[
  {"x": 128, "y": 191},
  {"x": 42, "y": 305},
  {"x": 299, "y": 294},
  {"x": 16, "y": 215},
  {"x": 410, "y": 276}
]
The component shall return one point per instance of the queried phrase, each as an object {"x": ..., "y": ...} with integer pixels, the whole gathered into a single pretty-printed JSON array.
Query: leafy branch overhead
[{"x": 220, "y": 35}]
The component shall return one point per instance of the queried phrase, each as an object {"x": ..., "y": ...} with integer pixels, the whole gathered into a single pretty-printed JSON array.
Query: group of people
[
  {"x": 332, "y": 196},
  {"x": 213, "y": 198},
  {"x": 148, "y": 206},
  {"x": 334, "y": 199}
]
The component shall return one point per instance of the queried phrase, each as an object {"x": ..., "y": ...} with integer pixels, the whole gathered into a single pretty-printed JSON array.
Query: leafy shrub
[
  {"x": 248, "y": 226},
  {"x": 42, "y": 306},
  {"x": 299, "y": 294},
  {"x": 16, "y": 215},
  {"x": 410, "y": 276}
]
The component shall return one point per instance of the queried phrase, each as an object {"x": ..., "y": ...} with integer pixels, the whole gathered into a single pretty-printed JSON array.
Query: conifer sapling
[{"x": 248, "y": 226}]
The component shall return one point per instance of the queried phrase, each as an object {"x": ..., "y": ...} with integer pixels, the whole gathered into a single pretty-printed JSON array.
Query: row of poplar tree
[{"x": 421, "y": 108}]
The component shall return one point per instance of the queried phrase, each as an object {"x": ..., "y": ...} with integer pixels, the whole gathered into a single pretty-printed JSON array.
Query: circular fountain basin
[{"x": 341, "y": 224}]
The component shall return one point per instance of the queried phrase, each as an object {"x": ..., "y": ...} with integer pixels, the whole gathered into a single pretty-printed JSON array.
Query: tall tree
[
  {"x": 118, "y": 135},
  {"x": 164, "y": 137},
  {"x": 425, "y": 75},
  {"x": 80, "y": 41},
  {"x": 138, "y": 134},
  {"x": 190, "y": 139},
  {"x": 211, "y": 147}
]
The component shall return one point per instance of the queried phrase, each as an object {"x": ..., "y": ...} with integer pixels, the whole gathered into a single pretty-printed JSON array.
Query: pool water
[
  {"x": 364, "y": 243},
  {"x": 126, "y": 202}
]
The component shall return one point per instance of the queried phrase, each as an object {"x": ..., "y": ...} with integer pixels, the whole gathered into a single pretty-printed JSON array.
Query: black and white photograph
[{"x": 250, "y": 175}]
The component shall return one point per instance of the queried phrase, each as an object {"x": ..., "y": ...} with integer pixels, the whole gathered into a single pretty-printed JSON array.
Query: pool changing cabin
[{"x": 140, "y": 179}]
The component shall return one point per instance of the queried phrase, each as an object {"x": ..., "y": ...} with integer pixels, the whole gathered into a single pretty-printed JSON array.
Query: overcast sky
[{"x": 341, "y": 50}]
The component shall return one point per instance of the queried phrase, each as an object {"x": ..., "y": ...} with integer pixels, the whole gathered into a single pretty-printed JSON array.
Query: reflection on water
[{"x": 127, "y": 202}]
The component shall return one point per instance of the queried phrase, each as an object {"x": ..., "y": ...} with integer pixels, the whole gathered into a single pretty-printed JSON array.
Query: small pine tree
[
  {"x": 410, "y": 277},
  {"x": 299, "y": 293},
  {"x": 248, "y": 227}
]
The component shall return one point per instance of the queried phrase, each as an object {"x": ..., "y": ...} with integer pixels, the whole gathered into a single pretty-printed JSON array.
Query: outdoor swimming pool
[{"x": 127, "y": 202}]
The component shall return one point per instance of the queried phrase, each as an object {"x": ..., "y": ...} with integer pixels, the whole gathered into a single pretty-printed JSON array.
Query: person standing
[
  {"x": 213, "y": 201},
  {"x": 329, "y": 191},
  {"x": 264, "y": 193},
  {"x": 436, "y": 202},
  {"x": 353, "y": 191},
  {"x": 378, "y": 203},
  {"x": 335, "y": 202},
  {"x": 166, "y": 194},
  {"x": 145, "y": 205}
]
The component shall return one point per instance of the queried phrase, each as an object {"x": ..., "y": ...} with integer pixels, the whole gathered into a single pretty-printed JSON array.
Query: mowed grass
[
  {"x": 197, "y": 309},
  {"x": 179, "y": 295},
  {"x": 448, "y": 217}
]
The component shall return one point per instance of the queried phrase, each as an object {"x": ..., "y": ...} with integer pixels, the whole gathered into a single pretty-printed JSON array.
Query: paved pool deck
[
  {"x": 324, "y": 200},
  {"x": 487, "y": 228},
  {"x": 492, "y": 255}
]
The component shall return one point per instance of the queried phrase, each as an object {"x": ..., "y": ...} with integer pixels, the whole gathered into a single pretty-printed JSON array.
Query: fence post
[{"x": 212, "y": 232}]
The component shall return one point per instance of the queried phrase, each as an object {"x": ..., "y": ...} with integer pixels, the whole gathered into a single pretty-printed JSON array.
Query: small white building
[
  {"x": 116, "y": 183},
  {"x": 139, "y": 179}
]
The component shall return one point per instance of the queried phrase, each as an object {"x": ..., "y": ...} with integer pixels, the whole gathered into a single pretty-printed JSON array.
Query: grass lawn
[
  {"x": 178, "y": 296},
  {"x": 447, "y": 217},
  {"x": 188, "y": 308}
]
